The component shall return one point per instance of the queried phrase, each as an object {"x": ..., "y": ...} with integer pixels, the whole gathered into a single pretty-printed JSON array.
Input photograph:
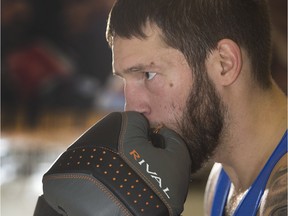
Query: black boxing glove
[{"x": 118, "y": 167}]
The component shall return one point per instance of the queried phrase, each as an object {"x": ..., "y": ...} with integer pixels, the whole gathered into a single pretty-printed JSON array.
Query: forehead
[
  {"x": 152, "y": 42},
  {"x": 127, "y": 52}
]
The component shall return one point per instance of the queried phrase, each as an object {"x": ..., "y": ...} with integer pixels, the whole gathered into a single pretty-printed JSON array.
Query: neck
[{"x": 252, "y": 134}]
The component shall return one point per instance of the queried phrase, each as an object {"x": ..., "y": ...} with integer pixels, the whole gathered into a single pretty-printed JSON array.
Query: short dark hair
[{"x": 194, "y": 27}]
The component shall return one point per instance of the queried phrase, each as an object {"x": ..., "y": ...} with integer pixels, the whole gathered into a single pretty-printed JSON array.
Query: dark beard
[{"x": 202, "y": 121}]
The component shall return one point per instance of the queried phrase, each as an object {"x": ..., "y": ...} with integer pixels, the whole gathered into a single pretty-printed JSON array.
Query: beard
[{"x": 202, "y": 121}]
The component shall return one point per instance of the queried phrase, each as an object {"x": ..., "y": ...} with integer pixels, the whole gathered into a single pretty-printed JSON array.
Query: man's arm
[
  {"x": 274, "y": 200},
  {"x": 210, "y": 188}
]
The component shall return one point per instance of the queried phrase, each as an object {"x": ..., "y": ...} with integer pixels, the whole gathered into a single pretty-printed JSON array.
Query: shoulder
[
  {"x": 274, "y": 200},
  {"x": 210, "y": 187}
]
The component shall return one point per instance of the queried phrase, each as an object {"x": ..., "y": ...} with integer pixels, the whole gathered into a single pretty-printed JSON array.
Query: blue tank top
[{"x": 250, "y": 203}]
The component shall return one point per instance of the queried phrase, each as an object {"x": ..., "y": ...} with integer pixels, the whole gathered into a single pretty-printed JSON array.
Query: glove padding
[{"x": 118, "y": 167}]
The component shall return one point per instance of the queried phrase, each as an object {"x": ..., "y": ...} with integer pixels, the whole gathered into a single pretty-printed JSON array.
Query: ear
[{"x": 229, "y": 61}]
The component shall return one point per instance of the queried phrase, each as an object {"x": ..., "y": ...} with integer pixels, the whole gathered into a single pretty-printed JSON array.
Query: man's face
[
  {"x": 157, "y": 78},
  {"x": 159, "y": 84}
]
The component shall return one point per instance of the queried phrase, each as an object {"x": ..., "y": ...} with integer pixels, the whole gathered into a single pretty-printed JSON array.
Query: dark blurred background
[
  {"x": 56, "y": 82},
  {"x": 54, "y": 57}
]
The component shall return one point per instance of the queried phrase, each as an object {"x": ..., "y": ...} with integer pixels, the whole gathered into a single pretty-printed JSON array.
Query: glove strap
[{"x": 44, "y": 209}]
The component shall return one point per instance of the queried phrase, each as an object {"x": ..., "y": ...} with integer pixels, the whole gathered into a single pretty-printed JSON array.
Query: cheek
[{"x": 168, "y": 105}]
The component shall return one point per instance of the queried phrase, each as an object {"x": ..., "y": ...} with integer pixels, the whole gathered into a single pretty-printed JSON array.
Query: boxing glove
[{"x": 118, "y": 167}]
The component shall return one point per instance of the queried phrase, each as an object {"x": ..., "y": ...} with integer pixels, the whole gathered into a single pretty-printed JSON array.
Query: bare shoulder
[
  {"x": 274, "y": 200},
  {"x": 210, "y": 188}
]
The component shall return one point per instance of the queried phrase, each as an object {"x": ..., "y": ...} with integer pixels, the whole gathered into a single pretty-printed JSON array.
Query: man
[{"x": 202, "y": 68}]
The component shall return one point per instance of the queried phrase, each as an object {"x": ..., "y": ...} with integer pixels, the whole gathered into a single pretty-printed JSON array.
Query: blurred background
[{"x": 56, "y": 83}]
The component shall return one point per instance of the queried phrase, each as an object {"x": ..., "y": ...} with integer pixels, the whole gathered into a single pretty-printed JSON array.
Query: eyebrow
[{"x": 136, "y": 68}]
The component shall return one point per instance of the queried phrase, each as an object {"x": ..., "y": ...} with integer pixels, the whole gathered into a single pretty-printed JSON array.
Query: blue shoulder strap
[
  {"x": 221, "y": 194},
  {"x": 250, "y": 203}
]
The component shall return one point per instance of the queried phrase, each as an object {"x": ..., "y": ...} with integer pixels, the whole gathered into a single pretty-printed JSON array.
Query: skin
[
  {"x": 157, "y": 79},
  {"x": 254, "y": 122}
]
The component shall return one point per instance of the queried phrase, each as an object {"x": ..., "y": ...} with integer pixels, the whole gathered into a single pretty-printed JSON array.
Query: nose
[{"x": 136, "y": 98}]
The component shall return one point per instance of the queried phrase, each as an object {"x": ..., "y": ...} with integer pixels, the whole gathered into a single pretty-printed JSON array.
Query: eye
[{"x": 149, "y": 75}]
